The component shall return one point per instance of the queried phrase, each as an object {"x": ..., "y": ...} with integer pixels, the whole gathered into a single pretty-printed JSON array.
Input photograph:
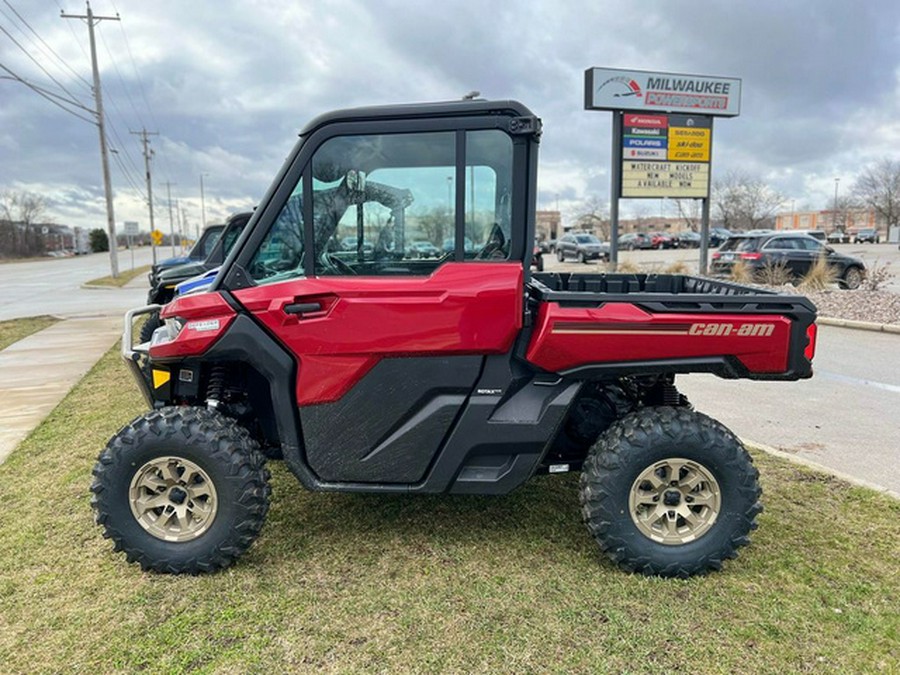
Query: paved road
[
  {"x": 53, "y": 286},
  {"x": 844, "y": 418}
]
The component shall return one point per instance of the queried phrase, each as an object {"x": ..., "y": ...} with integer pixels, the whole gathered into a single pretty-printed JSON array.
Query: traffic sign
[{"x": 156, "y": 237}]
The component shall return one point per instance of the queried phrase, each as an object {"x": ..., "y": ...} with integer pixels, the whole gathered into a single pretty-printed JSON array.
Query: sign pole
[{"x": 614, "y": 188}]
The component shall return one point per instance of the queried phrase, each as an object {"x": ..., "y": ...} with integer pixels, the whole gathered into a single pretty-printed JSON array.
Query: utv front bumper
[{"x": 137, "y": 356}]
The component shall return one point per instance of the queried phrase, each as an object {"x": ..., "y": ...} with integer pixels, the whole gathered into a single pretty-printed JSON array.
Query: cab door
[{"x": 388, "y": 328}]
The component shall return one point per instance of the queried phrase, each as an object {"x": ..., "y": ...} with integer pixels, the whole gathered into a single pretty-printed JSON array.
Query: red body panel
[
  {"x": 463, "y": 308},
  {"x": 206, "y": 316},
  {"x": 566, "y": 338}
]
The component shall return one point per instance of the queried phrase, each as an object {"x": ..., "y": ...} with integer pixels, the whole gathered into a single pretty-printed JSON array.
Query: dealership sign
[
  {"x": 638, "y": 90},
  {"x": 665, "y": 155}
]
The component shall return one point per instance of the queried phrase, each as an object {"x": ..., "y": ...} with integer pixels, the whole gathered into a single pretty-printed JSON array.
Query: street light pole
[
  {"x": 834, "y": 213},
  {"x": 202, "y": 205}
]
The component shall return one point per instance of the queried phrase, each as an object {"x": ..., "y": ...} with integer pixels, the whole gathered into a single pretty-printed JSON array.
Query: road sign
[
  {"x": 132, "y": 228},
  {"x": 156, "y": 236}
]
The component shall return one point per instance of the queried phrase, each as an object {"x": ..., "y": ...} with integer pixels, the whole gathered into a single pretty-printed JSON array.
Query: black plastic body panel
[{"x": 388, "y": 428}]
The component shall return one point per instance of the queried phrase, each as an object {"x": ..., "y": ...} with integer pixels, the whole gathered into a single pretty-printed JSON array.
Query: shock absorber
[{"x": 215, "y": 390}]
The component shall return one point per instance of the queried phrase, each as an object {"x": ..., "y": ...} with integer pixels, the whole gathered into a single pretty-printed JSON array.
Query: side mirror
[{"x": 829, "y": 250}]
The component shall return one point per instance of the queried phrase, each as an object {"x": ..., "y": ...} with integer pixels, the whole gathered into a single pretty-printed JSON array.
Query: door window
[
  {"x": 386, "y": 204},
  {"x": 280, "y": 256}
]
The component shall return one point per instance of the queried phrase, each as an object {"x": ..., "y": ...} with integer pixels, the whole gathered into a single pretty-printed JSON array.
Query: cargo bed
[{"x": 653, "y": 323}]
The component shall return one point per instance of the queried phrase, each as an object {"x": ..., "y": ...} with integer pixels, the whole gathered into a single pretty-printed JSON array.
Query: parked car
[
  {"x": 422, "y": 249},
  {"x": 718, "y": 236},
  {"x": 688, "y": 239},
  {"x": 537, "y": 256},
  {"x": 837, "y": 237},
  {"x": 867, "y": 235},
  {"x": 798, "y": 252},
  {"x": 633, "y": 240},
  {"x": 660, "y": 240},
  {"x": 815, "y": 234},
  {"x": 582, "y": 247}
]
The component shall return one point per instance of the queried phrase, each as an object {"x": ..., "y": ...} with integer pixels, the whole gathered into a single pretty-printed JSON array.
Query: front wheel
[
  {"x": 852, "y": 278},
  {"x": 181, "y": 490},
  {"x": 150, "y": 325},
  {"x": 669, "y": 492},
  {"x": 559, "y": 256}
]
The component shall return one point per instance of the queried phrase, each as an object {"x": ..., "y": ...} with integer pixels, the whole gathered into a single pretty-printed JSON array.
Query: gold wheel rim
[
  {"x": 173, "y": 499},
  {"x": 674, "y": 501}
]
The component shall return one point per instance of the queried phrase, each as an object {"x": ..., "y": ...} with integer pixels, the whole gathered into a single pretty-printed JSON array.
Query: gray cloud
[{"x": 230, "y": 83}]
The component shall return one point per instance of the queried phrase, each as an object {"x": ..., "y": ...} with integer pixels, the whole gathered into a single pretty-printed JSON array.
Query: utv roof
[{"x": 419, "y": 111}]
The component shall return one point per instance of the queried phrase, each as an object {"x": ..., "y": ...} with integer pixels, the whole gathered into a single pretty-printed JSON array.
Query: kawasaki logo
[{"x": 720, "y": 329}]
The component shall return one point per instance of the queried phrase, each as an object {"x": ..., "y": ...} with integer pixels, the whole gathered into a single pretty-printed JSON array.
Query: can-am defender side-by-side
[
  {"x": 326, "y": 342},
  {"x": 163, "y": 284}
]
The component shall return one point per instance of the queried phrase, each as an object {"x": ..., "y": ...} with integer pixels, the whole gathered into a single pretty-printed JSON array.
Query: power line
[
  {"x": 48, "y": 47},
  {"x": 50, "y": 96},
  {"x": 121, "y": 80},
  {"x": 38, "y": 63}
]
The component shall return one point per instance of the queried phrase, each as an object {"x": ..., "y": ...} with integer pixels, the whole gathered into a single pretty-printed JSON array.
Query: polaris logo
[{"x": 725, "y": 329}]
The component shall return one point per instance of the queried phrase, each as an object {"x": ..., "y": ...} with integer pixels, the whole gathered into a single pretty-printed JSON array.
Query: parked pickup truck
[{"x": 372, "y": 370}]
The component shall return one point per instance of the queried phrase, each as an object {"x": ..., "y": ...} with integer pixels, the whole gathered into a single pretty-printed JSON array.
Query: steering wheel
[
  {"x": 334, "y": 263},
  {"x": 493, "y": 249}
]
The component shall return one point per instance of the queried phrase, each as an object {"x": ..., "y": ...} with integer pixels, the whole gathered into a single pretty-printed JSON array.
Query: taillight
[
  {"x": 810, "y": 351},
  {"x": 716, "y": 255},
  {"x": 751, "y": 256}
]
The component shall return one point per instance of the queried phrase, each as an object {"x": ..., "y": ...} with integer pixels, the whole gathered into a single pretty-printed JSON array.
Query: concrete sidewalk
[{"x": 37, "y": 372}]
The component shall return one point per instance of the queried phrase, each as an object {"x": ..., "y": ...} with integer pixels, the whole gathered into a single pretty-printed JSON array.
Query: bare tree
[
  {"x": 745, "y": 203},
  {"x": 590, "y": 215},
  {"x": 20, "y": 212},
  {"x": 878, "y": 187},
  {"x": 689, "y": 213}
]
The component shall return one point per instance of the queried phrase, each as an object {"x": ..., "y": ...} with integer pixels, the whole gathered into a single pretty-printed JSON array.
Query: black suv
[
  {"x": 582, "y": 247},
  {"x": 797, "y": 252},
  {"x": 867, "y": 235}
]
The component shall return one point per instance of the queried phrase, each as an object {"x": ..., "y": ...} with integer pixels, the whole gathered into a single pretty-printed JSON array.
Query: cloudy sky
[{"x": 228, "y": 84}]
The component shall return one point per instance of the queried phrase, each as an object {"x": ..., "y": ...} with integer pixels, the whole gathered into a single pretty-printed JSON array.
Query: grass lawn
[
  {"x": 462, "y": 584},
  {"x": 16, "y": 329},
  {"x": 124, "y": 277}
]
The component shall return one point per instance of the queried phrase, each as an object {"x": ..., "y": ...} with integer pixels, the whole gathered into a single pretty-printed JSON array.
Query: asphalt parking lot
[{"x": 659, "y": 261}]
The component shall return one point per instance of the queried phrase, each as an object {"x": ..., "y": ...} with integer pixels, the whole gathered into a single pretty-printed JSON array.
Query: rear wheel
[
  {"x": 181, "y": 490},
  {"x": 852, "y": 278},
  {"x": 670, "y": 492}
]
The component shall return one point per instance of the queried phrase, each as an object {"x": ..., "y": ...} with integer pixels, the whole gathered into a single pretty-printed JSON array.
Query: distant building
[
  {"x": 828, "y": 220},
  {"x": 547, "y": 225}
]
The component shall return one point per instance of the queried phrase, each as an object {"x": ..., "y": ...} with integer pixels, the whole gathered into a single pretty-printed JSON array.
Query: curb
[
  {"x": 809, "y": 464},
  {"x": 860, "y": 325}
]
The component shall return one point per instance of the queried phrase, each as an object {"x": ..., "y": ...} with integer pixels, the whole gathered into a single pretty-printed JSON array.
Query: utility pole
[
  {"x": 171, "y": 222},
  {"x": 91, "y": 19},
  {"x": 145, "y": 141}
]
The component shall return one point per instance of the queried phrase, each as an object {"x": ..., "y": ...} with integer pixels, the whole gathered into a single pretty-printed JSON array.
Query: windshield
[{"x": 587, "y": 239}]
